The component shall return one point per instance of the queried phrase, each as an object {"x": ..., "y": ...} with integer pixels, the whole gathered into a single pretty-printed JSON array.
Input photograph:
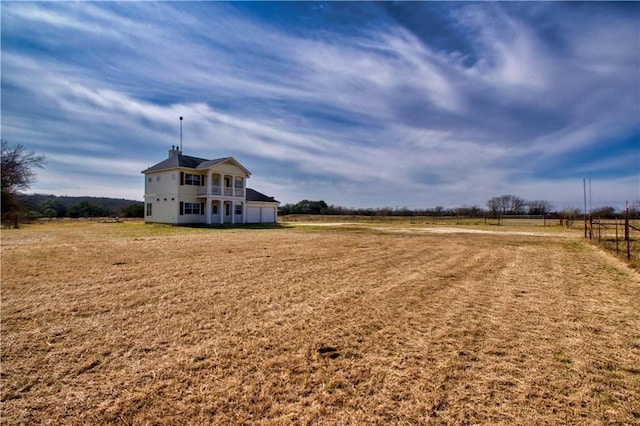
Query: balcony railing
[{"x": 218, "y": 190}]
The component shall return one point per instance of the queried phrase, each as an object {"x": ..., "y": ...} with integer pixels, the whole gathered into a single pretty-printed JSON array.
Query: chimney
[{"x": 174, "y": 151}]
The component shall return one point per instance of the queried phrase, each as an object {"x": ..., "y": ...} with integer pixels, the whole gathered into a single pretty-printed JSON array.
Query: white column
[
  {"x": 233, "y": 187},
  {"x": 233, "y": 212},
  {"x": 207, "y": 211}
]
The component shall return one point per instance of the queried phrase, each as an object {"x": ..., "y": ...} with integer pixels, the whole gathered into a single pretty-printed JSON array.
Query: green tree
[
  {"x": 53, "y": 208},
  {"x": 88, "y": 209},
  {"x": 133, "y": 210},
  {"x": 305, "y": 207}
]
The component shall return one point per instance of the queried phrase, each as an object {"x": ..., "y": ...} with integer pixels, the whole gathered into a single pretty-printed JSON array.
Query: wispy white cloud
[{"x": 361, "y": 118}]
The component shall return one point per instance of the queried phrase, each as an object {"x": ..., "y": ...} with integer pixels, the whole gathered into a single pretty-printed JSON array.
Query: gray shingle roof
[
  {"x": 176, "y": 161},
  {"x": 190, "y": 162},
  {"x": 208, "y": 163},
  {"x": 253, "y": 195}
]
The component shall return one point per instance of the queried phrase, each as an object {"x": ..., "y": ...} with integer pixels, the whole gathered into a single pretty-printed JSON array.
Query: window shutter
[
  {"x": 181, "y": 208},
  {"x": 202, "y": 208},
  {"x": 181, "y": 180}
]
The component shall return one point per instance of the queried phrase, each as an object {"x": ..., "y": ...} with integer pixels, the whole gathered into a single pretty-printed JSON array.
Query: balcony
[{"x": 219, "y": 190}]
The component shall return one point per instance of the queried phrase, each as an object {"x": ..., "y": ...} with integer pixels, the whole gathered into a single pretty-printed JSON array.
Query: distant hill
[{"x": 37, "y": 205}]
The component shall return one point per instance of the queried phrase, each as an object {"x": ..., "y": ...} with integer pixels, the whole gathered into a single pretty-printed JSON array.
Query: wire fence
[
  {"x": 515, "y": 220},
  {"x": 618, "y": 235}
]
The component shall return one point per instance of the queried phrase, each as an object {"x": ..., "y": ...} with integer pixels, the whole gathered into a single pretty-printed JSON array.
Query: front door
[
  {"x": 215, "y": 212},
  {"x": 227, "y": 212}
]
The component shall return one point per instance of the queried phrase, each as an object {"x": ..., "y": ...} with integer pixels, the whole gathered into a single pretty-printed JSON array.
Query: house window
[
  {"x": 158, "y": 178},
  {"x": 149, "y": 205},
  {"x": 238, "y": 183},
  {"x": 173, "y": 176},
  {"x": 191, "y": 208},
  {"x": 238, "y": 209},
  {"x": 189, "y": 179},
  {"x": 214, "y": 209},
  {"x": 149, "y": 179}
]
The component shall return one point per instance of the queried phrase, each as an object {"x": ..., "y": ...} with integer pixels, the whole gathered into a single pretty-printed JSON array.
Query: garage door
[
  {"x": 268, "y": 214},
  {"x": 253, "y": 215}
]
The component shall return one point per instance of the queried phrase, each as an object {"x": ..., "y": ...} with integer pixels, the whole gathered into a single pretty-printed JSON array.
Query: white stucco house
[{"x": 189, "y": 190}]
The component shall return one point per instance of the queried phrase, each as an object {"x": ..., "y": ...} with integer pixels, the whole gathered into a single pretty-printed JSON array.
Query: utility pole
[{"x": 584, "y": 191}]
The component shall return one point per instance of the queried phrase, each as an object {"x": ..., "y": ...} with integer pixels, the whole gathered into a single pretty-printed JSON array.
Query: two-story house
[{"x": 190, "y": 190}]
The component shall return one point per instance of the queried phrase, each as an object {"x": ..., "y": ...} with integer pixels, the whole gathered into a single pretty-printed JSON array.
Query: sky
[{"x": 360, "y": 104}]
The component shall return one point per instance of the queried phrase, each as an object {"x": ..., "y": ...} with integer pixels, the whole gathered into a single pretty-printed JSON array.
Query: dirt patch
[
  {"x": 458, "y": 230},
  {"x": 400, "y": 228}
]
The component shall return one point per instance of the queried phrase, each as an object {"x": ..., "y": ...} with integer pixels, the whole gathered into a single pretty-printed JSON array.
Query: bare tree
[
  {"x": 506, "y": 204},
  {"x": 568, "y": 215},
  {"x": 495, "y": 205},
  {"x": 538, "y": 207},
  {"x": 17, "y": 173}
]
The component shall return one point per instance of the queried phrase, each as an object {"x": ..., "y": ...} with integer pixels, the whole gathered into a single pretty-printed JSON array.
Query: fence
[
  {"x": 523, "y": 220},
  {"x": 503, "y": 220},
  {"x": 621, "y": 235}
]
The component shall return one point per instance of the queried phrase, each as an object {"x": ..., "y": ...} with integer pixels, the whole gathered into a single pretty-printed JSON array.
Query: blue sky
[{"x": 400, "y": 104}]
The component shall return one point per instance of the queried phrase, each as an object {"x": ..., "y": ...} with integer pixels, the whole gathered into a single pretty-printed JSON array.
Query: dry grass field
[{"x": 130, "y": 324}]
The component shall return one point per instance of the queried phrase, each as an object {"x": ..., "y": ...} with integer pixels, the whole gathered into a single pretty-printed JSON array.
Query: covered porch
[{"x": 224, "y": 212}]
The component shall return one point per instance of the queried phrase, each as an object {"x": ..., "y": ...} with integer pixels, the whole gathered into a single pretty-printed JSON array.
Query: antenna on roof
[{"x": 180, "y": 134}]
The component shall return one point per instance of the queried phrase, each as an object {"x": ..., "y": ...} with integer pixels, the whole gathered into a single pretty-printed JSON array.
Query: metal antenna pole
[{"x": 181, "y": 134}]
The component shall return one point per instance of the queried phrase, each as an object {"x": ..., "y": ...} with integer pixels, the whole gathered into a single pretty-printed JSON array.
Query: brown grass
[{"x": 134, "y": 324}]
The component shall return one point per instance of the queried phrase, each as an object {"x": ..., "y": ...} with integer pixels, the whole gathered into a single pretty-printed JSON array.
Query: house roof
[
  {"x": 187, "y": 161},
  {"x": 210, "y": 163},
  {"x": 253, "y": 195}
]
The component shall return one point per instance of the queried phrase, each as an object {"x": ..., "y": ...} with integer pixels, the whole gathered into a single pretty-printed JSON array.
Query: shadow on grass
[{"x": 240, "y": 226}]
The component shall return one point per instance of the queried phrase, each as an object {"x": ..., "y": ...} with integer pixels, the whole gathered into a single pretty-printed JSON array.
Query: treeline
[
  {"x": 51, "y": 206},
  {"x": 496, "y": 207},
  {"x": 322, "y": 208}
]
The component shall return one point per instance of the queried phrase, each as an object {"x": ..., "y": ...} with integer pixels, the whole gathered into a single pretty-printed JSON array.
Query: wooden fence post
[
  {"x": 626, "y": 225},
  {"x": 616, "y": 225}
]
